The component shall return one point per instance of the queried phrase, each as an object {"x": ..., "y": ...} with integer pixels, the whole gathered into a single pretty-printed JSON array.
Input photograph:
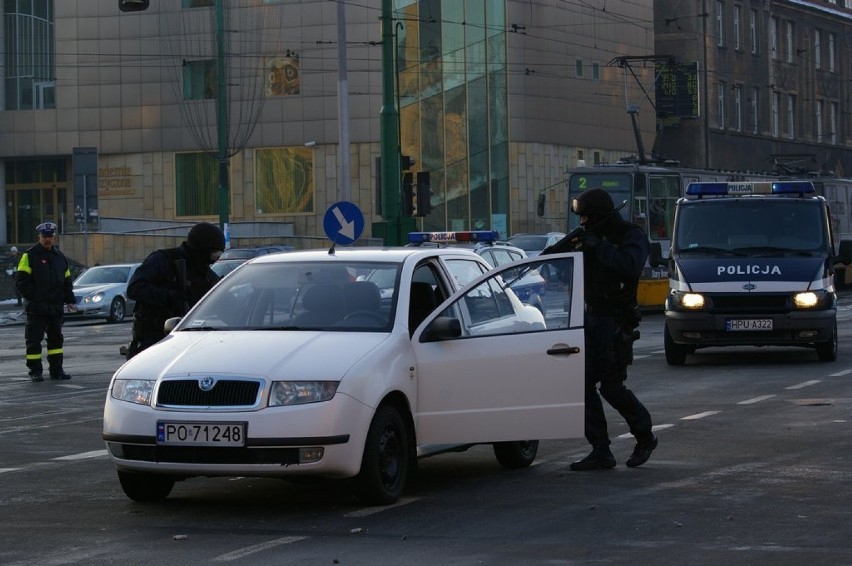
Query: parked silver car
[{"x": 101, "y": 291}]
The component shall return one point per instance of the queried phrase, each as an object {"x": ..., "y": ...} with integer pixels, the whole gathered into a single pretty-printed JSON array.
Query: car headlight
[
  {"x": 688, "y": 301},
  {"x": 284, "y": 393},
  {"x": 96, "y": 298},
  {"x": 133, "y": 390},
  {"x": 812, "y": 299}
]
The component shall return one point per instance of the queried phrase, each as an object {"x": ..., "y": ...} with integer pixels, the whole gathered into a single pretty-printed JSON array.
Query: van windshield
[{"x": 751, "y": 226}]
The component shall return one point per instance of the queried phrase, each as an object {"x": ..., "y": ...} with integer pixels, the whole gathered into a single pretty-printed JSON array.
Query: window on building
[
  {"x": 776, "y": 114},
  {"x": 791, "y": 116},
  {"x": 773, "y": 37},
  {"x": 832, "y": 122},
  {"x": 578, "y": 68},
  {"x": 755, "y": 118},
  {"x": 596, "y": 71},
  {"x": 738, "y": 12},
  {"x": 831, "y": 43},
  {"x": 817, "y": 50},
  {"x": 720, "y": 23},
  {"x": 738, "y": 108},
  {"x": 196, "y": 183},
  {"x": 722, "y": 86},
  {"x": 789, "y": 39},
  {"x": 752, "y": 26},
  {"x": 29, "y": 58},
  {"x": 199, "y": 79},
  {"x": 820, "y": 105},
  {"x": 284, "y": 180}
]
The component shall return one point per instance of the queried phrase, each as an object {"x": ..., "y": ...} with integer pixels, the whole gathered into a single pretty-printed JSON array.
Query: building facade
[{"x": 496, "y": 100}]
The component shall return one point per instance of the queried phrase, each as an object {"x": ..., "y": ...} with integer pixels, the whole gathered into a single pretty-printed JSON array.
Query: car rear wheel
[
  {"x": 515, "y": 455},
  {"x": 827, "y": 351},
  {"x": 387, "y": 455},
  {"x": 145, "y": 488},
  {"x": 675, "y": 353},
  {"x": 116, "y": 310}
]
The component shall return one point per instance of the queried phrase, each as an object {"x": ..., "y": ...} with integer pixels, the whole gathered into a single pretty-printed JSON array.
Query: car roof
[{"x": 393, "y": 254}]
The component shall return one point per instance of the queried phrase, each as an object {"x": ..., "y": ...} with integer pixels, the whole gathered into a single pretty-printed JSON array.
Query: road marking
[
  {"x": 243, "y": 552},
  {"x": 700, "y": 415},
  {"x": 83, "y": 455},
  {"x": 71, "y": 386},
  {"x": 659, "y": 352},
  {"x": 655, "y": 428},
  {"x": 803, "y": 384},
  {"x": 756, "y": 400},
  {"x": 638, "y": 357},
  {"x": 367, "y": 511},
  {"x": 3, "y": 470},
  {"x": 841, "y": 373}
]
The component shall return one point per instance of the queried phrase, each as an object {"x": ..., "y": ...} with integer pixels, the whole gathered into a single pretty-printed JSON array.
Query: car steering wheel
[{"x": 372, "y": 315}]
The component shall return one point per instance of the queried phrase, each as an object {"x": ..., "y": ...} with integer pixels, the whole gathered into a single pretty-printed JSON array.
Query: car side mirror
[
  {"x": 655, "y": 255},
  {"x": 170, "y": 324},
  {"x": 442, "y": 328}
]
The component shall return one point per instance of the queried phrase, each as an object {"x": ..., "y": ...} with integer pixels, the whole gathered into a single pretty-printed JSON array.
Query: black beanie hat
[
  {"x": 593, "y": 202},
  {"x": 206, "y": 238}
]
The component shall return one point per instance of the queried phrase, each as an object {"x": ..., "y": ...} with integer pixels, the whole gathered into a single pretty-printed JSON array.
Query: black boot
[
  {"x": 642, "y": 451},
  {"x": 598, "y": 459}
]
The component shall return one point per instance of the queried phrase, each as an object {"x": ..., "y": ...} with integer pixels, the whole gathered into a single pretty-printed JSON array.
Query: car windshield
[
  {"x": 751, "y": 226},
  {"x": 234, "y": 253},
  {"x": 301, "y": 295},
  {"x": 101, "y": 275},
  {"x": 222, "y": 268}
]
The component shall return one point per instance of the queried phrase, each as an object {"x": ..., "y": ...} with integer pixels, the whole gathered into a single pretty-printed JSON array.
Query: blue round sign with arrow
[{"x": 343, "y": 223}]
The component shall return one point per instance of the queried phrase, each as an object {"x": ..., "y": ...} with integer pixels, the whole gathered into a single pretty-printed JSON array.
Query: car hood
[
  {"x": 267, "y": 353},
  {"x": 724, "y": 269},
  {"x": 98, "y": 288}
]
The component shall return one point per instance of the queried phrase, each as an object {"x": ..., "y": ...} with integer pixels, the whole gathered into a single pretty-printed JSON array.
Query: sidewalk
[{"x": 11, "y": 312}]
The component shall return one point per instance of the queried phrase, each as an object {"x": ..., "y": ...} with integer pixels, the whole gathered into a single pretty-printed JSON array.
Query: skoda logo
[
  {"x": 207, "y": 383},
  {"x": 747, "y": 287}
]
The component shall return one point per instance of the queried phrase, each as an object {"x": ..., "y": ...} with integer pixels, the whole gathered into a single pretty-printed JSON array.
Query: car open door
[{"x": 492, "y": 369}]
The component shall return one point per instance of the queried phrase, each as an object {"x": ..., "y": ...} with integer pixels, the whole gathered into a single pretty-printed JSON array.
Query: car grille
[
  {"x": 225, "y": 393},
  {"x": 753, "y": 304}
]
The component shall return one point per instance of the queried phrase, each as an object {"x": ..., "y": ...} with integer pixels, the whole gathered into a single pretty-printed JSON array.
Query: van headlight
[
  {"x": 133, "y": 390},
  {"x": 689, "y": 301},
  {"x": 284, "y": 393},
  {"x": 812, "y": 299}
]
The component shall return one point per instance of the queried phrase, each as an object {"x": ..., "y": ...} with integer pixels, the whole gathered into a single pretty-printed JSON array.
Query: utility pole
[
  {"x": 224, "y": 200},
  {"x": 342, "y": 105}
]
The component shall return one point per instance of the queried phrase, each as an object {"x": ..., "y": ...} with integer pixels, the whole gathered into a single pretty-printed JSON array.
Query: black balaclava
[
  {"x": 206, "y": 241},
  {"x": 596, "y": 205}
]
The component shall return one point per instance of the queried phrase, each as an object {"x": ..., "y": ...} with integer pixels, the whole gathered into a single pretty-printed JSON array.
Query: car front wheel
[
  {"x": 116, "y": 310},
  {"x": 675, "y": 353},
  {"x": 387, "y": 455},
  {"x": 515, "y": 455},
  {"x": 827, "y": 351},
  {"x": 145, "y": 488}
]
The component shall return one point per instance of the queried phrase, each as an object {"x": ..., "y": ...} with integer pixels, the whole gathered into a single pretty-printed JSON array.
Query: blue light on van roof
[
  {"x": 750, "y": 188},
  {"x": 448, "y": 237}
]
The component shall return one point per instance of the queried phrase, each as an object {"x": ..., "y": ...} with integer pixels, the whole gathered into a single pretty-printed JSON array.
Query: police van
[{"x": 752, "y": 263}]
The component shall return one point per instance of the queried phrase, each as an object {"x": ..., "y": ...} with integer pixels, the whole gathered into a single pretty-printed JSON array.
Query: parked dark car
[{"x": 249, "y": 253}]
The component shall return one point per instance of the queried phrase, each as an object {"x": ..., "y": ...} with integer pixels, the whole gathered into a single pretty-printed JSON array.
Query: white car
[
  {"x": 101, "y": 291},
  {"x": 295, "y": 365}
]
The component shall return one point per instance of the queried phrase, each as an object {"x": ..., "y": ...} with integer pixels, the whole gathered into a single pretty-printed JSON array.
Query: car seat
[
  {"x": 362, "y": 296},
  {"x": 323, "y": 306},
  {"x": 422, "y": 304}
]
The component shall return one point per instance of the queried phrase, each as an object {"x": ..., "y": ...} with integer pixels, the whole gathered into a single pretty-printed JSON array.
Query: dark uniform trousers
[
  {"x": 604, "y": 367},
  {"x": 34, "y": 332}
]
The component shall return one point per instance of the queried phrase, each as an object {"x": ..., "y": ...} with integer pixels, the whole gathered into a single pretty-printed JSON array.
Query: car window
[{"x": 464, "y": 270}]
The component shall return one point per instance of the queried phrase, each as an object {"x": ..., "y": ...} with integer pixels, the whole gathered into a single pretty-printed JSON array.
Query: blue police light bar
[
  {"x": 447, "y": 237},
  {"x": 750, "y": 188}
]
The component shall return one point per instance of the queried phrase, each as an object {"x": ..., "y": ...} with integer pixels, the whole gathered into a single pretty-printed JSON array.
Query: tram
[{"x": 651, "y": 191}]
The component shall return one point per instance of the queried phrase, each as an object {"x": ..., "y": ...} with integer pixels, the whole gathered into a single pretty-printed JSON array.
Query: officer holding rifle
[
  {"x": 170, "y": 281},
  {"x": 614, "y": 253}
]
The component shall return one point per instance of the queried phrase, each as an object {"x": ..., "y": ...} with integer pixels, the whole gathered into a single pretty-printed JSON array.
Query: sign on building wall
[
  {"x": 677, "y": 90},
  {"x": 84, "y": 166}
]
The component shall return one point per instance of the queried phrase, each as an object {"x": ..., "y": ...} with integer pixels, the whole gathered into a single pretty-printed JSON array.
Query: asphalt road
[{"x": 753, "y": 467}]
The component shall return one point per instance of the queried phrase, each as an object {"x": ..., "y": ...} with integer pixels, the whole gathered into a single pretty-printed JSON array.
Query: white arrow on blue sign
[{"x": 343, "y": 223}]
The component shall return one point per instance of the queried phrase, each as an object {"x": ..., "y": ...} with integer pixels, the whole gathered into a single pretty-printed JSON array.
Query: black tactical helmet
[{"x": 592, "y": 202}]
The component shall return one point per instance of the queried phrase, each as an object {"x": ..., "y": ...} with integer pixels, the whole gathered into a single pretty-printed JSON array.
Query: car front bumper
[{"x": 798, "y": 328}]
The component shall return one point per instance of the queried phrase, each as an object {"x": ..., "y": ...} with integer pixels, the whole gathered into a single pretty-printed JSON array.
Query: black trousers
[
  {"x": 34, "y": 331},
  {"x": 604, "y": 368}
]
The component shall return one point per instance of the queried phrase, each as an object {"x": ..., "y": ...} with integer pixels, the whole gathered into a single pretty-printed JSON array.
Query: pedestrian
[
  {"x": 614, "y": 254},
  {"x": 43, "y": 278},
  {"x": 14, "y": 259},
  {"x": 170, "y": 281}
]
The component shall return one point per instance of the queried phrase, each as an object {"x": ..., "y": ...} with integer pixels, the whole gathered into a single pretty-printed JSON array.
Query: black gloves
[{"x": 590, "y": 241}]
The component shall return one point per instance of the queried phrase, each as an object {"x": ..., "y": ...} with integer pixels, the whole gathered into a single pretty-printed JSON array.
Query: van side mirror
[
  {"x": 539, "y": 205},
  {"x": 655, "y": 255},
  {"x": 845, "y": 255}
]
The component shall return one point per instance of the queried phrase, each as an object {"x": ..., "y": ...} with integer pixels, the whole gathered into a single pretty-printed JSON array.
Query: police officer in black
[
  {"x": 43, "y": 279},
  {"x": 614, "y": 253},
  {"x": 170, "y": 281}
]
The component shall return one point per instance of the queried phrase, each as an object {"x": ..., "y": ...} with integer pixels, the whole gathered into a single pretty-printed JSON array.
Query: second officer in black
[{"x": 614, "y": 253}]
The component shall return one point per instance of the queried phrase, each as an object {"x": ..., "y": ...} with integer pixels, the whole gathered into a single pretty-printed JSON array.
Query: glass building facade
[{"x": 453, "y": 105}]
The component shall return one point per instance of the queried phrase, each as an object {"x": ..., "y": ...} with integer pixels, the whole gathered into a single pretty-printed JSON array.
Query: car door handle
[{"x": 563, "y": 350}]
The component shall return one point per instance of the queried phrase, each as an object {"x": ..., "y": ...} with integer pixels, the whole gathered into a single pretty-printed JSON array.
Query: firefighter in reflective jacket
[
  {"x": 614, "y": 253},
  {"x": 44, "y": 281}
]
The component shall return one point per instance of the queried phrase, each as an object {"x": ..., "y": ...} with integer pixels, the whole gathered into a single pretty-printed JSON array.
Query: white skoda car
[{"x": 298, "y": 364}]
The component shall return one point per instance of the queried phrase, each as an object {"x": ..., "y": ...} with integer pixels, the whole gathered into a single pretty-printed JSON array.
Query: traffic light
[
  {"x": 423, "y": 194},
  {"x": 133, "y": 5},
  {"x": 407, "y": 194}
]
